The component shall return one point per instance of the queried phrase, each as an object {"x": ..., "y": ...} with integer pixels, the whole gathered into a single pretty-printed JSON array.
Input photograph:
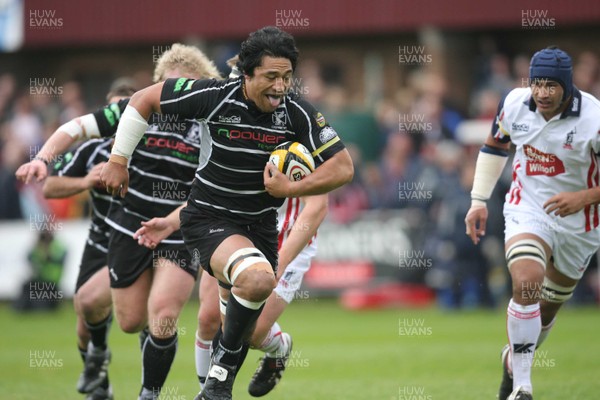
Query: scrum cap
[{"x": 554, "y": 64}]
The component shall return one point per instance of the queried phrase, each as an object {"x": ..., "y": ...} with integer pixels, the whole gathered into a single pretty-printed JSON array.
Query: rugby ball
[{"x": 293, "y": 159}]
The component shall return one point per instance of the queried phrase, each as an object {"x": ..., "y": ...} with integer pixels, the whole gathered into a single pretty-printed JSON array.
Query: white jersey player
[
  {"x": 552, "y": 157},
  {"x": 291, "y": 279},
  {"x": 551, "y": 209}
]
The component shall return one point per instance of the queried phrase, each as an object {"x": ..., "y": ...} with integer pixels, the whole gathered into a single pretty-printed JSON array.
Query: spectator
[
  {"x": 347, "y": 202},
  {"x": 460, "y": 269},
  {"x": 400, "y": 179},
  {"x": 47, "y": 259},
  {"x": 354, "y": 125}
]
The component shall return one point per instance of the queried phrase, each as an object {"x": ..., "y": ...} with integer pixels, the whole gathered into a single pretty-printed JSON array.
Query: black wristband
[{"x": 41, "y": 159}]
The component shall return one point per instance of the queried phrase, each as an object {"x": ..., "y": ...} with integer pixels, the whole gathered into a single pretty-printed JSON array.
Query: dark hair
[
  {"x": 267, "y": 41},
  {"x": 122, "y": 88}
]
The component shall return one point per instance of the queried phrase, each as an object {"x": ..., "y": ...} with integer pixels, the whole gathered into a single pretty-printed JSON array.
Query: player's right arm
[
  {"x": 65, "y": 186},
  {"x": 184, "y": 97},
  {"x": 102, "y": 122},
  {"x": 131, "y": 128},
  {"x": 57, "y": 143},
  {"x": 304, "y": 229},
  {"x": 491, "y": 161},
  {"x": 334, "y": 166},
  {"x": 157, "y": 229}
]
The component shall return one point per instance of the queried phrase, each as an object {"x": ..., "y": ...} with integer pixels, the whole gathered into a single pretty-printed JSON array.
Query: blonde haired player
[
  {"x": 149, "y": 287},
  {"x": 179, "y": 60},
  {"x": 551, "y": 209}
]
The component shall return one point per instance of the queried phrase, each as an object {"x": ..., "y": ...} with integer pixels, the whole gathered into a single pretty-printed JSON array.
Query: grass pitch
[{"x": 338, "y": 354}]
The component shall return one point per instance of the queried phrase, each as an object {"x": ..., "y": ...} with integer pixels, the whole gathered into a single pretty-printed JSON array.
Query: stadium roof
[{"x": 111, "y": 22}]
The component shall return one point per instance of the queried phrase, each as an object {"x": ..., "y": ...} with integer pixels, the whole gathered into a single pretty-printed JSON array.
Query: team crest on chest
[
  {"x": 568, "y": 144},
  {"x": 279, "y": 119},
  {"x": 193, "y": 134}
]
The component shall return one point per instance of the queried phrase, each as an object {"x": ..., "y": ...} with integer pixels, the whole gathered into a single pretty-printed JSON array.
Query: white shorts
[
  {"x": 291, "y": 280},
  {"x": 571, "y": 251}
]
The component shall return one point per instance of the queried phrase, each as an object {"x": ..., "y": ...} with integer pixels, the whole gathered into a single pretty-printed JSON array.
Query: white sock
[
  {"x": 274, "y": 344},
  {"x": 545, "y": 332},
  {"x": 202, "y": 352},
  {"x": 524, "y": 324}
]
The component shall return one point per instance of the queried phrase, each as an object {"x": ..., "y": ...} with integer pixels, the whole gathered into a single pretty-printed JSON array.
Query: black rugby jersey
[
  {"x": 161, "y": 169},
  {"x": 77, "y": 164},
  {"x": 237, "y": 139}
]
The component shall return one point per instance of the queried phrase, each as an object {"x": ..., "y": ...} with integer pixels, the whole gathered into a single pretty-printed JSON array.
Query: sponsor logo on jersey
[
  {"x": 260, "y": 137},
  {"x": 320, "y": 120},
  {"x": 520, "y": 127},
  {"x": 278, "y": 118},
  {"x": 327, "y": 134},
  {"x": 540, "y": 163},
  {"x": 169, "y": 144},
  {"x": 233, "y": 119},
  {"x": 216, "y": 230},
  {"x": 568, "y": 144}
]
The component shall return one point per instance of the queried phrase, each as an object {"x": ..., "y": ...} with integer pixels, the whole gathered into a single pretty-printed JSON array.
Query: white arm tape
[
  {"x": 72, "y": 128},
  {"x": 132, "y": 127},
  {"x": 90, "y": 126},
  {"x": 488, "y": 169},
  {"x": 82, "y": 127}
]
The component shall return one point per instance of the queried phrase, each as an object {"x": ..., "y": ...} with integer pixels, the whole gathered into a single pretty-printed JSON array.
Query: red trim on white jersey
[
  {"x": 591, "y": 212},
  {"x": 291, "y": 214},
  {"x": 515, "y": 192}
]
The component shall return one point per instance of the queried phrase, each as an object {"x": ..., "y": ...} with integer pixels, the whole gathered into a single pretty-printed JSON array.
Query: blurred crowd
[{"x": 408, "y": 153}]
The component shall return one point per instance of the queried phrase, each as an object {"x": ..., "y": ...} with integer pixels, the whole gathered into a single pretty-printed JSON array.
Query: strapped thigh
[
  {"x": 555, "y": 293},
  {"x": 246, "y": 257},
  {"x": 529, "y": 249}
]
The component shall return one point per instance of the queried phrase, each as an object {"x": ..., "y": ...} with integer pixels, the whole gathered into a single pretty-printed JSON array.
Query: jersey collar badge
[{"x": 568, "y": 144}]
